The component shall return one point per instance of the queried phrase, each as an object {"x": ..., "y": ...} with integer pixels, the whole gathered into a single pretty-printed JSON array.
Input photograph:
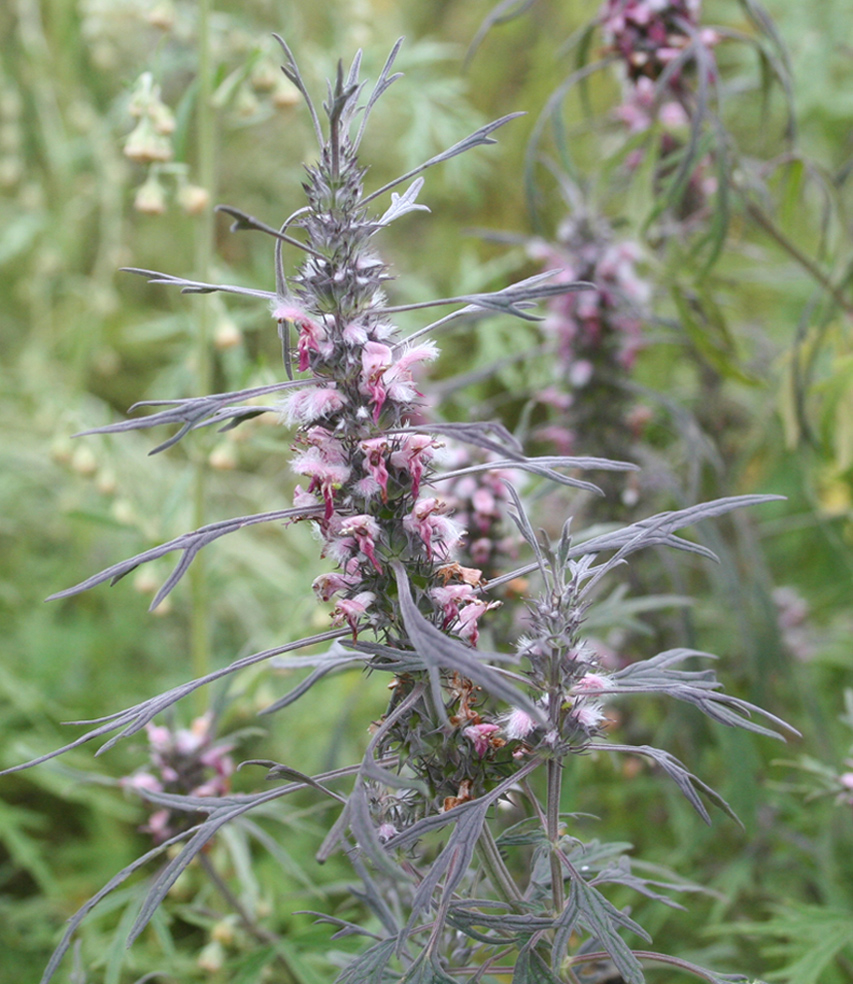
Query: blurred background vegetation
[{"x": 121, "y": 123}]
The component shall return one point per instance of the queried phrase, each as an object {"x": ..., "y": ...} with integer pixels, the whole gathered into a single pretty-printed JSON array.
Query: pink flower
[
  {"x": 158, "y": 826},
  {"x": 518, "y": 724},
  {"x": 159, "y": 737},
  {"x": 588, "y": 715},
  {"x": 375, "y": 359},
  {"x": 365, "y": 529},
  {"x": 673, "y": 116},
  {"x": 313, "y": 403},
  {"x": 324, "y": 463},
  {"x": 327, "y": 585},
  {"x": 325, "y": 475},
  {"x": 351, "y": 610},
  {"x": 374, "y": 461},
  {"x": 383, "y": 377},
  {"x": 398, "y": 377},
  {"x": 303, "y": 499},
  {"x": 484, "y": 503},
  {"x": 481, "y": 550},
  {"x": 312, "y": 336},
  {"x": 480, "y": 735},
  {"x": 142, "y": 781},
  {"x": 466, "y": 625},
  {"x": 414, "y": 453},
  {"x": 354, "y": 334},
  {"x": 450, "y": 597},
  {"x": 338, "y": 546},
  {"x": 438, "y": 533},
  {"x": 592, "y": 682}
]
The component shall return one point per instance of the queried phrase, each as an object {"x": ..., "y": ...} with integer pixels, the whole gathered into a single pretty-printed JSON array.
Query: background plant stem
[{"x": 200, "y": 628}]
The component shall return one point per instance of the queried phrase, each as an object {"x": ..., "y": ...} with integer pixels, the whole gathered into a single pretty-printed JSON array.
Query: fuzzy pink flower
[
  {"x": 374, "y": 461},
  {"x": 466, "y": 626},
  {"x": 588, "y": 715},
  {"x": 354, "y": 334},
  {"x": 324, "y": 463},
  {"x": 312, "y": 336},
  {"x": 338, "y": 546},
  {"x": 480, "y": 735},
  {"x": 303, "y": 499},
  {"x": 325, "y": 475},
  {"x": 142, "y": 781},
  {"x": 307, "y": 405},
  {"x": 375, "y": 359},
  {"x": 398, "y": 377},
  {"x": 481, "y": 550},
  {"x": 158, "y": 826},
  {"x": 592, "y": 682},
  {"x": 450, "y": 597},
  {"x": 438, "y": 533},
  {"x": 414, "y": 453},
  {"x": 327, "y": 585},
  {"x": 518, "y": 724},
  {"x": 350, "y": 610},
  {"x": 159, "y": 737},
  {"x": 365, "y": 529}
]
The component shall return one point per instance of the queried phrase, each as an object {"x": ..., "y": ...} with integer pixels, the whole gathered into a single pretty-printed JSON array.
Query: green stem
[
  {"x": 502, "y": 881},
  {"x": 779, "y": 237},
  {"x": 200, "y": 634},
  {"x": 552, "y": 819},
  {"x": 260, "y": 934}
]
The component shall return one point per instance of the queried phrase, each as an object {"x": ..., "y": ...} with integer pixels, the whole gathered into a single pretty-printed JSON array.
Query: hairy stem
[{"x": 554, "y": 771}]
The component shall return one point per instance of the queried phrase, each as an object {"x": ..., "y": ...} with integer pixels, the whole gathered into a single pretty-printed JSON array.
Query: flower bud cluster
[
  {"x": 182, "y": 760},
  {"x": 455, "y": 764},
  {"x": 656, "y": 42},
  {"x": 564, "y": 670},
  {"x": 648, "y": 35},
  {"x": 150, "y": 140},
  {"x": 597, "y": 334}
]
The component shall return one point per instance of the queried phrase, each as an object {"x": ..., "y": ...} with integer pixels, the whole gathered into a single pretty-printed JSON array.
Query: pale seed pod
[
  {"x": 227, "y": 335},
  {"x": 193, "y": 199},
  {"x": 223, "y": 457},
  {"x": 162, "y": 15},
  {"x": 83, "y": 460},
  {"x": 150, "y": 197}
]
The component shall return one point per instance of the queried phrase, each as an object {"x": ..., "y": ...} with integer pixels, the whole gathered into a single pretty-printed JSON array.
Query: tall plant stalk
[{"x": 200, "y": 612}]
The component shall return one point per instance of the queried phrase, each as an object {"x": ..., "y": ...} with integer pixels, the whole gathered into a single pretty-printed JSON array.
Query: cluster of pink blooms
[
  {"x": 479, "y": 503},
  {"x": 367, "y": 467},
  {"x": 577, "y": 709},
  {"x": 357, "y": 467},
  {"x": 597, "y": 333},
  {"x": 649, "y": 35},
  {"x": 183, "y": 760}
]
